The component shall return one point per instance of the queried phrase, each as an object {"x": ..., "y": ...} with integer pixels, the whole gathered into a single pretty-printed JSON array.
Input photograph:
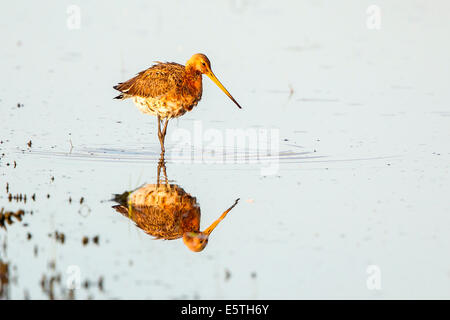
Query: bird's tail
[{"x": 120, "y": 87}]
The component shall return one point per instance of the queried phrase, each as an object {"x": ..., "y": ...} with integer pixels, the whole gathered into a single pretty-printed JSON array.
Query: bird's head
[
  {"x": 200, "y": 63},
  {"x": 197, "y": 240}
]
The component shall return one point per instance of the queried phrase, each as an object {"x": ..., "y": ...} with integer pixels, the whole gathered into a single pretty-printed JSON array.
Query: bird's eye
[{"x": 203, "y": 64}]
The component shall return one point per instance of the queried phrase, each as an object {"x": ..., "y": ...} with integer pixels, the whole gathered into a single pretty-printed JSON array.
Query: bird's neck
[{"x": 193, "y": 78}]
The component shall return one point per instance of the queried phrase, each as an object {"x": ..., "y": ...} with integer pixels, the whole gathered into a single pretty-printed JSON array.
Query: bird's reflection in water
[{"x": 166, "y": 211}]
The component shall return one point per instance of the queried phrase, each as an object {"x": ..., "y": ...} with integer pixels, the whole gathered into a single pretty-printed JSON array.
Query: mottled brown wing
[
  {"x": 153, "y": 221},
  {"x": 155, "y": 81}
]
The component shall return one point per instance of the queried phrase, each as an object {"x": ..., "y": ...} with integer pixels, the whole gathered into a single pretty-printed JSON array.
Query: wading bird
[
  {"x": 168, "y": 90},
  {"x": 165, "y": 211}
]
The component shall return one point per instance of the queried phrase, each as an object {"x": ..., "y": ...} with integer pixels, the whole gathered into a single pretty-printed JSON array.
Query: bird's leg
[
  {"x": 158, "y": 173},
  {"x": 160, "y": 135},
  {"x": 161, "y": 163},
  {"x": 165, "y": 129},
  {"x": 166, "y": 180}
]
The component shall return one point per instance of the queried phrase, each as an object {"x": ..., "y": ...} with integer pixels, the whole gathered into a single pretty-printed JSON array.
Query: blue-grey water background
[{"x": 364, "y": 123}]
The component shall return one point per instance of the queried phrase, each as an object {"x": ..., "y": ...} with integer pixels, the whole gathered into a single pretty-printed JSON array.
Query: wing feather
[{"x": 154, "y": 82}]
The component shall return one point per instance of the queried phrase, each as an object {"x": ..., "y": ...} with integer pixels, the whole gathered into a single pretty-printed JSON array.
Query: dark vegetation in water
[
  {"x": 53, "y": 282},
  {"x": 54, "y": 285},
  {"x": 59, "y": 236},
  {"x": 4, "y": 280},
  {"x": 8, "y": 218},
  {"x": 85, "y": 240}
]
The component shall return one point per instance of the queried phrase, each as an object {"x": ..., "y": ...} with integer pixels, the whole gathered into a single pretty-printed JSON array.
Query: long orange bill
[
  {"x": 215, "y": 223},
  {"x": 212, "y": 76}
]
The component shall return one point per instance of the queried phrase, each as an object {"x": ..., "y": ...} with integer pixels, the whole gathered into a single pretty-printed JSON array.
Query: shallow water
[{"x": 360, "y": 178}]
